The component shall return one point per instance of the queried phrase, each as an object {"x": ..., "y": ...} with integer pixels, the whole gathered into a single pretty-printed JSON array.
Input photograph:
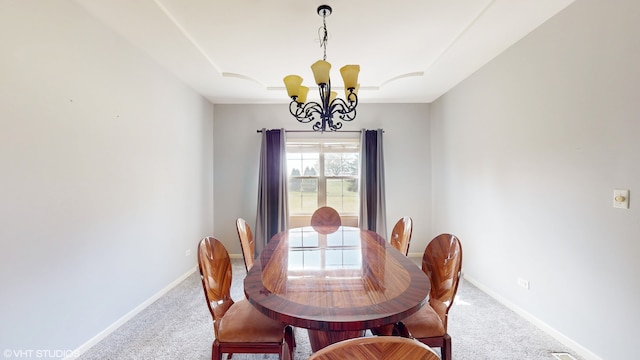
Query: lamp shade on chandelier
[{"x": 322, "y": 113}]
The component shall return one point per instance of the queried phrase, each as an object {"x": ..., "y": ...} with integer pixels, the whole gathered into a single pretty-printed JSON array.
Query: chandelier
[{"x": 330, "y": 105}]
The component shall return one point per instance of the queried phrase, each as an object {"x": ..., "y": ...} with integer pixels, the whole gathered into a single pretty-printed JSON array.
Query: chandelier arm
[
  {"x": 312, "y": 107},
  {"x": 340, "y": 108},
  {"x": 327, "y": 124},
  {"x": 348, "y": 116},
  {"x": 296, "y": 109},
  {"x": 349, "y": 113},
  {"x": 305, "y": 113},
  {"x": 353, "y": 98},
  {"x": 345, "y": 111}
]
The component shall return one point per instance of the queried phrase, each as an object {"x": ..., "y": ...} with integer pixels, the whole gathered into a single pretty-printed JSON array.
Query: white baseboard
[
  {"x": 579, "y": 349},
  {"x": 128, "y": 316}
]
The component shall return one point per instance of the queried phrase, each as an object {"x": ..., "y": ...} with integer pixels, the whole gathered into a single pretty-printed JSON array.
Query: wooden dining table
[{"x": 336, "y": 282}]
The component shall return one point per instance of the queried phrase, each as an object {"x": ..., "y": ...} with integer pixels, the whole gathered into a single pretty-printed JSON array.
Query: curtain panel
[
  {"x": 273, "y": 213},
  {"x": 373, "y": 209}
]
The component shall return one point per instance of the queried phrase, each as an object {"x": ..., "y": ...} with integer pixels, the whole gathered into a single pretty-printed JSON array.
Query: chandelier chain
[{"x": 323, "y": 34}]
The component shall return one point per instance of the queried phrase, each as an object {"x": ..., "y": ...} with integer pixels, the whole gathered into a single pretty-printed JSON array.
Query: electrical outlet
[
  {"x": 187, "y": 252},
  {"x": 523, "y": 283}
]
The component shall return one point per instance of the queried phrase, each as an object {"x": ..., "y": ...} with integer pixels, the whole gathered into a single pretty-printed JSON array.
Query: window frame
[{"x": 321, "y": 145}]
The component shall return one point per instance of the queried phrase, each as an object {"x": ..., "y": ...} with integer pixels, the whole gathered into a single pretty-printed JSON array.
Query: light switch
[{"x": 621, "y": 199}]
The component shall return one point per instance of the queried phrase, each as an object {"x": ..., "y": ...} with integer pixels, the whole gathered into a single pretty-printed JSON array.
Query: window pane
[
  {"x": 341, "y": 164},
  {"x": 302, "y": 163},
  {"x": 342, "y": 195},
  {"x": 303, "y": 195}
]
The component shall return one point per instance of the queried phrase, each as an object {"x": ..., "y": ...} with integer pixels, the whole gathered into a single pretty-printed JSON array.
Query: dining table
[{"x": 334, "y": 281}]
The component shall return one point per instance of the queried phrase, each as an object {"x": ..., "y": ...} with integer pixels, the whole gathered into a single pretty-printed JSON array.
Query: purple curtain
[
  {"x": 273, "y": 214},
  {"x": 373, "y": 212}
]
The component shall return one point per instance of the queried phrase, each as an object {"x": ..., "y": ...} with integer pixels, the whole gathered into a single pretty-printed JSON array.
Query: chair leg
[
  {"x": 445, "y": 350},
  {"x": 293, "y": 337},
  {"x": 399, "y": 329},
  {"x": 215, "y": 351},
  {"x": 285, "y": 352},
  {"x": 289, "y": 340}
]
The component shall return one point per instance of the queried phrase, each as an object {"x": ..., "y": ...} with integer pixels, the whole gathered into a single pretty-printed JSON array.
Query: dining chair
[
  {"x": 376, "y": 347},
  {"x": 401, "y": 235},
  {"x": 326, "y": 216},
  {"x": 442, "y": 262},
  {"x": 400, "y": 239},
  {"x": 238, "y": 327},
  {"x": 325, "y": 220},
  {"x": 246, "y": 242}
]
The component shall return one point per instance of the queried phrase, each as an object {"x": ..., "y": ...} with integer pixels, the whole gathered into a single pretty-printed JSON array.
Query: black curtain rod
[{"x": 313, "y": 131}]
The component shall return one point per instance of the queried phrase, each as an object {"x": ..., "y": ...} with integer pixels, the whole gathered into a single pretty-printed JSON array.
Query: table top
[{"x": 349, "y": 279}]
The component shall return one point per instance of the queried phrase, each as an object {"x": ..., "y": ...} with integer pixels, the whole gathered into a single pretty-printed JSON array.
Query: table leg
[{"x": 319, "y": 339}]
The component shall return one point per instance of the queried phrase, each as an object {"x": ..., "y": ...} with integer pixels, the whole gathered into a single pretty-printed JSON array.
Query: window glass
[
  {"x": 342, "y": 195},
  {"x": 323, "y": 173},
  {"x": 303, "y": 195}
]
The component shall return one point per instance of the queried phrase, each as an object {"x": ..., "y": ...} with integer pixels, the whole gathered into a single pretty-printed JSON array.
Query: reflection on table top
[{"x": 349, "y": 279}]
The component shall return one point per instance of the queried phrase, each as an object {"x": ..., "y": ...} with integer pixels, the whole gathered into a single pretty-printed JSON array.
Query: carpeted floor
[{"x": 178, "y": 326}]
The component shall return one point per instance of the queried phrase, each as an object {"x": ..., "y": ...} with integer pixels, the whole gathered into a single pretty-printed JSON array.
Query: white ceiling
[{"x": 409, "y": 51}]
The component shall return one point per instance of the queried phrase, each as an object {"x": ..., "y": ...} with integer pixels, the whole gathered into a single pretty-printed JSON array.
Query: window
[{"x": 323, "y": 173}]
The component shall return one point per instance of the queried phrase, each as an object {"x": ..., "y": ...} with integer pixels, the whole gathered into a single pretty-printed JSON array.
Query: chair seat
[
  {"x": 243, "y": 323},
  {"x": 425, "y": 323}
]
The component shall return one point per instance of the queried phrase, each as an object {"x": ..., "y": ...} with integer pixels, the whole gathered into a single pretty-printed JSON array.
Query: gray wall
[
  {"x": 407, "y": 153},
  {"x": 526, "y": 155},
  {"x": 105, "y": 176}
]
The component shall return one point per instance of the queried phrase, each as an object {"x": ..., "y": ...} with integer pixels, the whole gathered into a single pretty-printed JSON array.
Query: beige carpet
[{"x": 178, "y": 326}]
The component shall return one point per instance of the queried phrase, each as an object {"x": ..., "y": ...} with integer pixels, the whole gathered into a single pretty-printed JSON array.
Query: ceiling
[{"x": 409, "y": 51}]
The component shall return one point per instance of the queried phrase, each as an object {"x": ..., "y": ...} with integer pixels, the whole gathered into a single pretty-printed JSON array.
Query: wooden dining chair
[
  {"x": 442, "y": 262},
  {"x": 325, "y": 216},
  {"x": 401, "y": 235},
  {"x": 376, "y": 347},
  {"x": 325, "y": 219},
  {"x": 238, "y": 327},
  {"x": 246, "y": 242},
  {"x": 400, "y": 239}
]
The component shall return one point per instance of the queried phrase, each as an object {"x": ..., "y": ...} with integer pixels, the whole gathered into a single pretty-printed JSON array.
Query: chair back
[
  {"x": 215, "y": 273},
  {"x": 442, "y": 262},
  {"x": 376, "y": 347},
  {"x": 325, "y": 216},
  {"x": 325, "y": 220},
  {"x": 246, "y": 242},
  {"x": 401, "y": 235}
]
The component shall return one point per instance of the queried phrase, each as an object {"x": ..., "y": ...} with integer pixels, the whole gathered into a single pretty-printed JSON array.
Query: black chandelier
[{"x": 330, "y": 105}]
